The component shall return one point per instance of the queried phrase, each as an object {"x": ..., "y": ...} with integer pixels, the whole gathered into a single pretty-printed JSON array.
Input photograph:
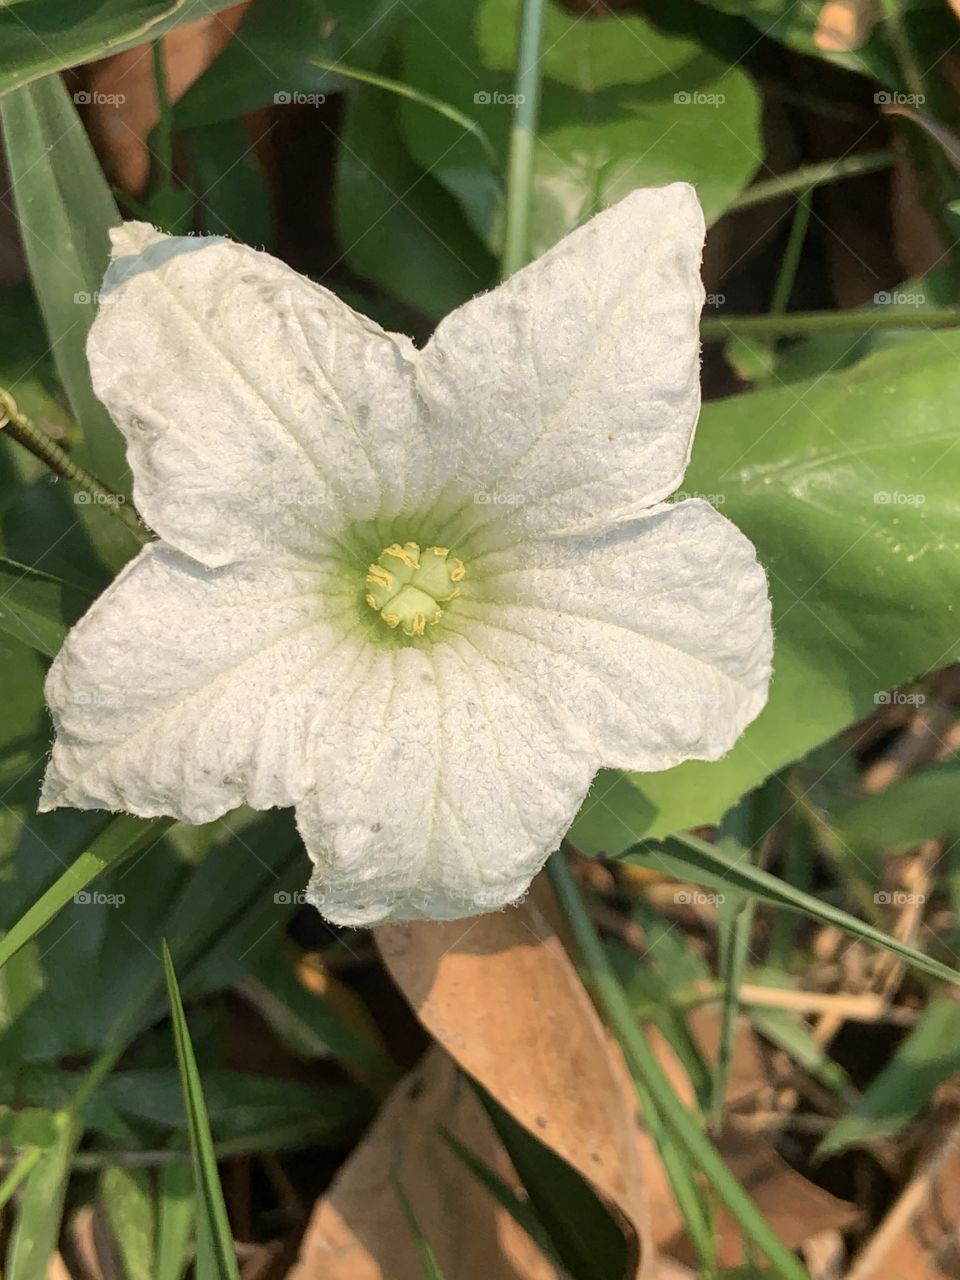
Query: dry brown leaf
[
  {"x": 123, "y": 100},
  {"x": 358, "y": 1231},
  {"x": 501, "y": 995},
  {"x": 917, "y": 1240}
]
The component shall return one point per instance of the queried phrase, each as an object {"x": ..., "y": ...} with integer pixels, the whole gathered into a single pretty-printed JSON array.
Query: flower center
[{"x": 406, "y": 586}]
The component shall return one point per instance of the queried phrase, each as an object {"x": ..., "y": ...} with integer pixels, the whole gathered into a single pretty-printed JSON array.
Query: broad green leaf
[
  {"x": 229, "y": 183},
  {"x": 127, "y": 1199},
  {"x": 37, "y": 608},
  {"x": 622, "y": 107},
  {"x": 217, "y": 1238},
  {"x": 65, "y": 209},
  {"x": 384, "y": 199},
  {"x": 122, "y": 837},
  {"x": 920, "y": 807},
  {"x": 270, "y": 60},
  {"x": 42, "y": 36},
  {"x": 847, "y": 486},
  {"x": 929, "y": 1056},
  {"x": 689, "y": 858}
]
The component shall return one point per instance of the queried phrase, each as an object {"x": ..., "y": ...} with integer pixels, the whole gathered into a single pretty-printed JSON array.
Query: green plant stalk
[
  {"x": 797, "y": 323},
  {"x": 18, "y": 426},
  {"x": 812, "y": 175},
  {"x": 523, "y": 138},
  {"x": 599, "y": 974}
]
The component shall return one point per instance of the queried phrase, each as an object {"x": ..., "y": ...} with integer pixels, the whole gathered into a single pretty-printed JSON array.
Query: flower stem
[
  {"x": 861, "y": 320},
  {"x": 523, "y": 137},
  {"x": 18, "y": 426},
  {"x": 598, "y": 973}
]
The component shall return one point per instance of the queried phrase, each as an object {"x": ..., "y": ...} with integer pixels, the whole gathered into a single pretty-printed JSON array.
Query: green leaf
[
  {"x": 65, "y": 209},
  {"x": 847, "y": 487},
  {"x": 929, "y": 1056},
  {"x": 42, "y": 36},
  {"x": 920, "y": 807},
  {"x": 270, "y": 60},
  {"x": 127, "y": 1199},
  {"x": 123, "y": 836},
  {"x": 613, "y": 114},
  {"x": 229, "y": 183},
  {"x": 689, "y": 858},
  {"x": 40, "y": 1208},
  {"x": 385, "y": 199},
  {"x": 217, "y": 1236},
  {"x": 175, "y": 1219},
  {"x": 37, "y": 608}
]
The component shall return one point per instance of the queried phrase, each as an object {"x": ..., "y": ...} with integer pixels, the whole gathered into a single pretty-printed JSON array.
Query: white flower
[{"x": 420, "y": 595}]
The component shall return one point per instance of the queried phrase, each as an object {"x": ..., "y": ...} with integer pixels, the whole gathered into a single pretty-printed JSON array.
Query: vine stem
[
  {"x": 797, "y": 323},
  {"x": 15, "y": 423},
  {"x": 523, "y": 137}
]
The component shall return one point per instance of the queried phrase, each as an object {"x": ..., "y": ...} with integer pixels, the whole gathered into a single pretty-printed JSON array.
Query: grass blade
[
  {"x": 65, "y": 208},
  {"x": 36, "y": 608},
  {"x": 216, "y": 1236},
  {"x": 123, "y": 836},
  {"x": 689, "y": 858},
  {"x": 428, "y": 1259}
]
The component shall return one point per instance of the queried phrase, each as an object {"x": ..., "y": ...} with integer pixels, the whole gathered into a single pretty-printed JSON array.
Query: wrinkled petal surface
[
  {"x": 569, "y": 394},
  {"x": 444, "y": 788},
  {"x": 256, "y": 405},
  {"x": 188, "y": 691},
  {"x": 655, "y": 637}
]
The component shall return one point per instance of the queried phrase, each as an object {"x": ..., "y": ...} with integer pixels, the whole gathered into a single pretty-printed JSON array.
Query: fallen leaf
[
  {"x": 500, "y": 994},
  {"x": 917, "y": 1239},
  {"x": 358, "y": 1231}
]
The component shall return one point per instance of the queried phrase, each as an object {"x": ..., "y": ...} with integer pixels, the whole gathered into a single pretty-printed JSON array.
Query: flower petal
[
  {"x": 187, "y": 691},
  {"x": 442, "y": 791},
  {"x": 257, "y": 406},
  {"x": 654, "y": 638},
  {"x": 573, "y": 388}
]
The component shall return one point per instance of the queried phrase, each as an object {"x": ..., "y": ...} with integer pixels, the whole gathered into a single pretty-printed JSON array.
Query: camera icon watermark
[
  {"x": 897, "y": 698},
  {"x": 694, "y": 98},
  {"x": 899, "y": 898},
  {"x": 697, "y": 898},
  {"x": 94, "y": 98},
  {"x": 888, "y": 98},
  {"x": 894, "y": 498},
  {"x": 897, "y": 298},
  {"x": 295, "y": 98},
  {"x": 94, "y": 898},
  {"x": 284, "y": 898},
  {"x": 486, "y": 98}
]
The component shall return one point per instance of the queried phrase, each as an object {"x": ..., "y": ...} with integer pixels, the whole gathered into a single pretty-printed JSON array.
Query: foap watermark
[
  {"x": 494, "y": 98},
  {"x": 894, "y": 498},
  {"x": 715, "y": 300},
  {"x": 94, "y": 898},
  {"x": 283, "y": 898},
  {"x": 898, "y": 298},
  {"x": 83, "y": 298},
  {"x": 893, "y": 98},
  {"x": 496, "y": 498},
  {"x": 715, "y": 499},
  {"x": 296, "y": 98},
  {"x": 97, "y": 698},
  {"x": 84, "y": 499},
  {"x": 697, "y": 898},
  {"x": 694, "y": 98},
  {"x": 899, "y": 898},
  {"x": 898, "y": 698},
  {"x": 94, "y": 98}
]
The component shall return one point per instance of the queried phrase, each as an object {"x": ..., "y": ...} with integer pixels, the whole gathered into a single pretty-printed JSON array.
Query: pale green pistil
[{"x": 407, "y": 586}]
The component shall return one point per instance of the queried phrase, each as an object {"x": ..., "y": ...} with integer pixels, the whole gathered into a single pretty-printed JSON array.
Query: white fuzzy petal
[
  {"x": 259, "y": 410},
  {"x": 655, "y": 638},
  {"x": 569, "y": 394},
  {"x": 187, "y": 691},
  {"x": 441, "y": 793}
]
